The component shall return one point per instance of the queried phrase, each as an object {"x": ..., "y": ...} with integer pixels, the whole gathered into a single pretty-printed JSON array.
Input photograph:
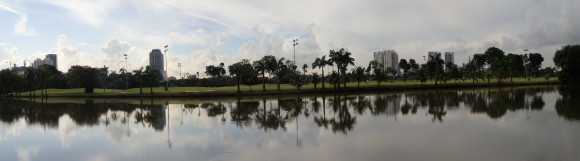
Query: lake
[{"x": 510, "y": 123}]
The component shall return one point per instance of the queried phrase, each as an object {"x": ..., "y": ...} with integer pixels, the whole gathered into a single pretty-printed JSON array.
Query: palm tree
[
  {"x": 140, "y": 75},
  {"x": 280, "y": 70},
  {"x": 342, "y": 59},
  {"x": 152, "y": 76},
  {"x": 260, "y": 66},
  {"x": 30, "y": 75},
  {"x": 315, "y": 79},
  {"x": 321, "y": 63}
]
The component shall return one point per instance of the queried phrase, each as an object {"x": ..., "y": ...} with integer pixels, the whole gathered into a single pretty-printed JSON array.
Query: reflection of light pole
[
  {"x": 168, "y": 127},
  {"x": 294, "y": 43},
  {"x": 166, "y": 57},
  {"x": 126, "y": 79},
  {"x": 298, "y": 142}
]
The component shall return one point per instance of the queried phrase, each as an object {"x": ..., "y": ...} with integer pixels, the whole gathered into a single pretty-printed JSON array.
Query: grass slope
[{"x": 271, "y": 89}]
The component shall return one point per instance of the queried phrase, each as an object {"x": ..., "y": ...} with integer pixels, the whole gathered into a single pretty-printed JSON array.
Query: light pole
[
  {"x": 180, "y": 76},
  {"x": 9, "y": 64},
  {"x": 526, "y": 61},
  {"x": 179, "y": 65},
  {"x": 126, "y": 79},
  {"x": 294, "y": 43},
  {"x": 166, "y": 82}
]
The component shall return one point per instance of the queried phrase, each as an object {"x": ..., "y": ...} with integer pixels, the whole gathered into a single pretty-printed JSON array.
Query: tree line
[{"x": 492, "y": 64}]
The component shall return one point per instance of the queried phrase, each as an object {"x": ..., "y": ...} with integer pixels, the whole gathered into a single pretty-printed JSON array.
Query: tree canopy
[{"x": 568, "y": 60}]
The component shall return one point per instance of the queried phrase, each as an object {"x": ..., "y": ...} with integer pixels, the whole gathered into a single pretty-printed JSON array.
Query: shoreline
[{"x": 352, "y": 88}]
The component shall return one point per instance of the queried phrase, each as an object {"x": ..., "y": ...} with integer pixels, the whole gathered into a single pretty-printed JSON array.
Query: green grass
[{"x": 271, "y": 89}]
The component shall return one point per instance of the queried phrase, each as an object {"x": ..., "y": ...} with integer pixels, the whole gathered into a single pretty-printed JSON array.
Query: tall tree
[
  {"x": 140, "y": 75},
  {"x": 435, "y": 68},
  {"x": 243, "y": 72},
  {"x": 30, "y": 75},
  {"x": 378, "y": 71},
  {"x": 568, "y": 60},
  {"x": 493, "y": 54},
  {"x": 321, "y": 63},
  {"x": 536, "y": 60},
  {"x": 342, "y": 59},
  {"x": 515, "y": 64},
  {"x": 152, "y": 76},
  {"x": 271, "y": 64},
  {"x": 260, "y": 67},
  {"x": 479, "y": 62},
  {"x": 280, "y": 71},
  {"x": 406, "y": 67},
  {"x": 315, "y": 79},
  {"x": 359, "y": 75},
  {"x": 83, "y": 76}
]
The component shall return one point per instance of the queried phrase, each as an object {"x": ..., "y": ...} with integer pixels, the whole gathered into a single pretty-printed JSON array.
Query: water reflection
[
  {"x": 568, "y": 105},
  {"x": 298, "y": 121},
  {"x": 335, "y": 112}
]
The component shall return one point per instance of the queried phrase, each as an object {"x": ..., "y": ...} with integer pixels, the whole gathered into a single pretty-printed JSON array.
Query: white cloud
[
  {"x": 25, "y": 154},
  {"x": 21, "y": 27},
  {"x": 114, "y": 50},
  {"x": 235, "y": 30},
  {"x": 92, "y": 12}
]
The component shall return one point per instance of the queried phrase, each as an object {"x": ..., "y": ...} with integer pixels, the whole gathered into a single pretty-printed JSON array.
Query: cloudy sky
[{"x": 207, "y": 32}]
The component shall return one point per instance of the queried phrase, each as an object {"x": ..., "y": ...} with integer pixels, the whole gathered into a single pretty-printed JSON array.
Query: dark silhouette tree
[
  {"x": 535, "y": 65},
  {"x": 321, "y": 63},
  {"x": 567, "y": 59},
  {"x": 406, "y": 67}
]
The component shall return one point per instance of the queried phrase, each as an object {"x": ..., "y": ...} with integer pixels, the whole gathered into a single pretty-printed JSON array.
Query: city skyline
[{"x": 203, "y": 33}]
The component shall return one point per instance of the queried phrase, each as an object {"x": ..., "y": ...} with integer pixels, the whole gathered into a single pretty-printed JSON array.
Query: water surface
[{"x": 531, "y": 123}]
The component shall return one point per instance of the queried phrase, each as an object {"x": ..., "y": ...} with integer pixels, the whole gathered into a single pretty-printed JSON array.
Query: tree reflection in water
[
  {"x": 567, "y": 105},
  {"x": 339, "y": 116}
]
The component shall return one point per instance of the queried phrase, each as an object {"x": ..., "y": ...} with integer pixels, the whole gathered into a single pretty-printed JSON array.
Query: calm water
[{"x": 540, "y": 123}]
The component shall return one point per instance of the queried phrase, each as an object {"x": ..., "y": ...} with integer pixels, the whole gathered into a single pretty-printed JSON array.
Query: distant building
[
  {"x": 38, "y": 62},
  {"x": 156, "y": 61},
  {"x": 50, "y": 59},
  {"x": 388, "y": 58},
  {"x": 53, "y": 58},
  {"x": 449, "y": 57},
  {"x": 433, "y": 54}
]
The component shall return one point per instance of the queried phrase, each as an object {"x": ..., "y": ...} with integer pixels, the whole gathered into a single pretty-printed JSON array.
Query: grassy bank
[{"x": 271, "y": 89}]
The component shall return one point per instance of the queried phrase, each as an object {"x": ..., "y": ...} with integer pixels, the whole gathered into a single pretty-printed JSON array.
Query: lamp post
[
  {"x": 180, "y": 76},
  {"x": 294, "y": 43},
  {"x": 166, "y": 82},
  {"x": 9, "y": 64},
  {"x": 526, "y": 61},
  {"x": 126, "y": 79}
]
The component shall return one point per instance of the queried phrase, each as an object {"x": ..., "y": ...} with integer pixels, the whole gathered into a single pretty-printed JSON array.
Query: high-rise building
[
  {"x": 53, "y": 58},
  {"x": 50, "y": 59},
  {"x": 156, "y": 61},
  {"x": 433, "y": 54},
  {"x": 449, "y": 57},
  {"x": 388, "y": 58},
  {"x": 38, "y": 62}
]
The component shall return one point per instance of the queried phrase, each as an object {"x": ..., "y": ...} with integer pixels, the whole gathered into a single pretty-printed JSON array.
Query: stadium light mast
[{"x": 166, "y": 57}]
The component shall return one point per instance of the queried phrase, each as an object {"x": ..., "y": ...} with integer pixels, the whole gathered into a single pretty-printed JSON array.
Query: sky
[{"x": 206, "y": 32}]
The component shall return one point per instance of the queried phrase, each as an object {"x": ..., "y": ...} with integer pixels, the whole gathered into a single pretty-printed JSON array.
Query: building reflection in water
[{"x": 337, "y": 113}]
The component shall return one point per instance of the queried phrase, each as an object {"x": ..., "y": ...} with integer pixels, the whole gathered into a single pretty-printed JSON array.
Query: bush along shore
[{"x": 285, "y": 89}]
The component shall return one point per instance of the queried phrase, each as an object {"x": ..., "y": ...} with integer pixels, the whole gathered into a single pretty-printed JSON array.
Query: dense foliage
[{"x": 333, "y": 69}]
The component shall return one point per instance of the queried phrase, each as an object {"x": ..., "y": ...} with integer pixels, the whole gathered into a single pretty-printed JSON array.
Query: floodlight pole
[
  {"x": 294, "y": 43},
  {"x": 166, "y": 81},
  {"x": 126, "y": 79}
]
